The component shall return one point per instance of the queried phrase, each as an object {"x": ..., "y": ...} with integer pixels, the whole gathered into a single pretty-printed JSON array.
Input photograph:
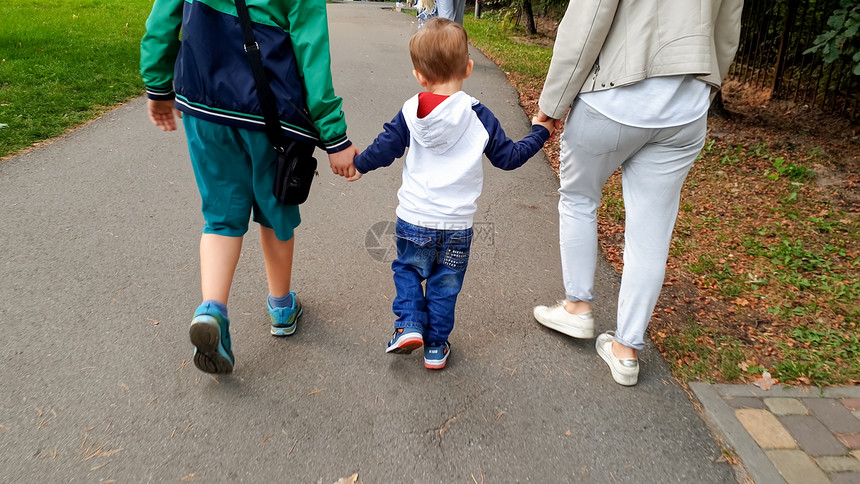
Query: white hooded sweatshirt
[{"x": 443, "y": 174}]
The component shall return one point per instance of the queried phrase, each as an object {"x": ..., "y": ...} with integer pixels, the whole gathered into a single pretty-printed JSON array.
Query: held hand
[
  {"x": 542, "y": 117},
  {"x": 161, "y": 113},
  {"x": 341, "y": 162},
  {"x": 547, "y": 123},
  {"x": 355, "y": 177}
]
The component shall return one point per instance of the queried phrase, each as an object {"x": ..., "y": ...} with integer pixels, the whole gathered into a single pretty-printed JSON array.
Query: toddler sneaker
[
  {"x": 210, "y": 335},
  {"x": 404, "y": 341},
  {"x": 557, "y": 318},
  {"x": 436, "y": 355},
  {"x": 285, "y": 320},
  {"x": 625, "y": 371}
]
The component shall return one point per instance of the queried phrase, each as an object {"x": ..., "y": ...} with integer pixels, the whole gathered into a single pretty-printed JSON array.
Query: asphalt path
[{"x": 100, "y": 275}]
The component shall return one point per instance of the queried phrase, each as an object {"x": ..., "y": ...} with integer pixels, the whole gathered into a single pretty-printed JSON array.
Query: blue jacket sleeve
[
  {"x": 503, "y": 152},
  {"x": 387, "y": 147}
]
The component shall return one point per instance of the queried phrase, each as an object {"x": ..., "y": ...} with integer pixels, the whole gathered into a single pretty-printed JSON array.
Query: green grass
[
  {"x": 777, "y": 240},
  {"x": 64, "y": 63},
  {"x": 694, "y": 357},
  {"x": 803, "y": 248},
  {"x": 614, "y": 208},
  {"x": 520, "y": 57},
  {"x": 811, "y": 264},
  {"x": 821, "y": 354}
]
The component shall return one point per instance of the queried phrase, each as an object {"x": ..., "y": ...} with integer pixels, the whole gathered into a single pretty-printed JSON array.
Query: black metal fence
[{"x": 774, "y": 35}]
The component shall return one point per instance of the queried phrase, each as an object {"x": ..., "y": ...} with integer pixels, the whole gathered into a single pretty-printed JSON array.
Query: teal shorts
[{"x": 235, "y": 170}]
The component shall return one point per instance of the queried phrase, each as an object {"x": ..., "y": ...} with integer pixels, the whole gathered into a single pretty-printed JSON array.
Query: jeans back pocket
[
  {"x": 595, "y": 133},
  {"x": 457, "y": 250}
]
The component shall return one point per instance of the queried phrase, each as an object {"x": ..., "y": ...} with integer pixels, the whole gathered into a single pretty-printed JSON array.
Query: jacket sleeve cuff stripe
[
  {"x": 160, "y": 94},
  {"x": 340, "y": 144}
]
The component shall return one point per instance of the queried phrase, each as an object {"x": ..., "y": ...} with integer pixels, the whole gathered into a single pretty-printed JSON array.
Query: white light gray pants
[
  {"x": 654, "y": 164},
  {"x": 451, "y": 9}
]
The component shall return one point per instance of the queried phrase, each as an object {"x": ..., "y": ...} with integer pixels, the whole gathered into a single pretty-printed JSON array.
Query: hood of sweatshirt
[{"x": 444, "y": 126}]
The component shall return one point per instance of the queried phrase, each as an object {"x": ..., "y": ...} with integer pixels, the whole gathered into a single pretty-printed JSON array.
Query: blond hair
[{"x": 440, "y": 50}]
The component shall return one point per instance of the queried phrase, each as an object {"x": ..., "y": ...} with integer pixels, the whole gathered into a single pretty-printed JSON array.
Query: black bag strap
[{"x": 266, "y": 97}]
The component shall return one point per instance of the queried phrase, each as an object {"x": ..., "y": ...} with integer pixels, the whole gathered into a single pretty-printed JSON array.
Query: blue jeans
[{"x": 438, "y": 257}]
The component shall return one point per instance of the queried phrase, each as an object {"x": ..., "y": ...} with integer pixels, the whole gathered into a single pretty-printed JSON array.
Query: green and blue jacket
[{"x": 193, "y": 52}]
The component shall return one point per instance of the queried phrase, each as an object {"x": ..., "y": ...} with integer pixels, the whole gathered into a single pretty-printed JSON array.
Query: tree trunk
[{"x": 530, "y": 17}]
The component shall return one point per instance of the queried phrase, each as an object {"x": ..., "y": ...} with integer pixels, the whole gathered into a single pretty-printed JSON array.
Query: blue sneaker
[
  {"x": 404, "y": 341},
  {"x": 210, "y": 335},
  {"x": 285, "y": 320},
  {"x": 436, "y": 355}
]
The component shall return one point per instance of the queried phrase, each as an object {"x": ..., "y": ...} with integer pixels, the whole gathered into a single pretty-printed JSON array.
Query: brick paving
[{"x": 788, "y": 435}]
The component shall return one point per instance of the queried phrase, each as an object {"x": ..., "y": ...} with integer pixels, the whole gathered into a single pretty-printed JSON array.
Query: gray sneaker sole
[{"x": 206, "y": 337}]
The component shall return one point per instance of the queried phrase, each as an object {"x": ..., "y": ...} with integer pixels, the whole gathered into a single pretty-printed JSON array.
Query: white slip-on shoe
[
  {"x": 557, "y": 318},
  {"x": 625, "y": 371}
]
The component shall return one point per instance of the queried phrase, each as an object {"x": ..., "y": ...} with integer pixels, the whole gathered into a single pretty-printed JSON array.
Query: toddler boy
[{"x": 447, "y": 133}]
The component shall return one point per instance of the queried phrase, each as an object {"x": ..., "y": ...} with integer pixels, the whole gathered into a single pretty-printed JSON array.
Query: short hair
[{"x": 440, "y": 50}]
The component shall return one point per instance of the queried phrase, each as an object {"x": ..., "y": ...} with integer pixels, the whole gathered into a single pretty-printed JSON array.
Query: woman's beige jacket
[{"x": 602, "y": 44}]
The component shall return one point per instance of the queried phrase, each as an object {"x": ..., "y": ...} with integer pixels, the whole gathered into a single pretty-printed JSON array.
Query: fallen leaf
[
  {"x": 764, "y": 381},
  {"x": 348, "y": 480}
]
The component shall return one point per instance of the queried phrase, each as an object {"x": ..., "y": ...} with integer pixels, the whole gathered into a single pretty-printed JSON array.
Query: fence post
[
  {"x": 477, "y": 8},
  {"x": 779, "y": 69}
]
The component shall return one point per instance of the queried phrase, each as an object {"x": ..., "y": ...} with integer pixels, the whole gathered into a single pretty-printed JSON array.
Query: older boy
[
  {"x": 447, "y": 132},
  {"x": 207, "y": 77}
]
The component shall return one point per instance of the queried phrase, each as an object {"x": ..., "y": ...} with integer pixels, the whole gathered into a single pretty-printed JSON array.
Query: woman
[{"x": 635, "y": 80}]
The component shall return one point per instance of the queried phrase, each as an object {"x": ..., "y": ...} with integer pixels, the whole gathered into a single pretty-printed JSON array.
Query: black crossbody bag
[{"x": 296, "y": 165}]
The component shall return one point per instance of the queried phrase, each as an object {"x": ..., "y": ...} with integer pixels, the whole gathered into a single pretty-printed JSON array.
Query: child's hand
[
  {"x": 548, "y": 123},
  {"x": 555, "y": 124},
  {"x": 341, "y": 162},
  {"x": 355, "y": 177},
  {"x": 162, "y": 113}
]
